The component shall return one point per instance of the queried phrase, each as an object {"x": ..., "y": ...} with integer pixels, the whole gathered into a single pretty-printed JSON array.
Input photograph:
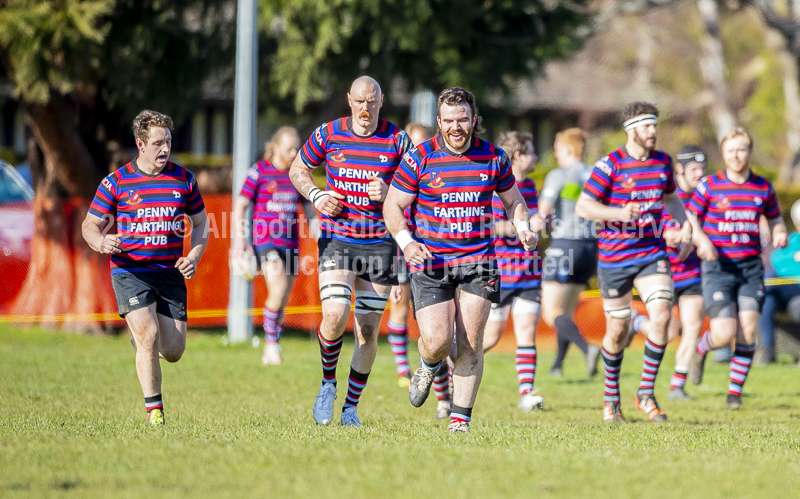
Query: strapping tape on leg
[
  {"x": 337, "y": 292},
  {"x": 725, "y": 310},
  {"x": 523, "y": 306},
  {"x": 660, "y": 294},
  {"x": 368, "y": 302},
  {"x": 618, "y": 312},
  {"x": 498, "y": 313}
]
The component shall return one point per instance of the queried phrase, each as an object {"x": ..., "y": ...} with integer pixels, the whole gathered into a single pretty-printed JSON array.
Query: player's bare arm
[
  {"x": 780, "y": 236},
  {"x": 394, "y": 206},
  {"x": 517, "y": 210},
  {"x": 94, "y": 233},
  {"x": 705, "y": 248},
  {"x": 595, "y": 211},
  {"x": 326, "y": 202},
  {"x": 240, "y": 243},
  {"x": 187, "y": 265}
]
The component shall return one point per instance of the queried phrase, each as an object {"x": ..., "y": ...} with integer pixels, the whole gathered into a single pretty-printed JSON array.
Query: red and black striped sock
[
  {"x": 441, "y": 383},
  {"x": 355, "y": 385},
  {"x": 153, "y": 402},
  {"x": 329, "y": 351}
]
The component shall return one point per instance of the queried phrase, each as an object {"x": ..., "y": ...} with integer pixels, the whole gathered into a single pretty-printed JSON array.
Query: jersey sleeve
[
  {"x": 533, "y": 200},
  {"x": 251, "y": 183},
  {"x": 553, "y": 184},
  {"x": 671, "y": 185},
  {"x": 406, "y": 178},
  {"x": 598, "y": 187},
  {"x": 771, "y": 208},
  {"x": 194, "y": 203},
  {"x": 313, "y": 151},
  {"x": 105, "y": 199},
  {"x": 698, "y": 205},
  {"x": 403, "y": 143},
  {"x": 506, "y": 180}
]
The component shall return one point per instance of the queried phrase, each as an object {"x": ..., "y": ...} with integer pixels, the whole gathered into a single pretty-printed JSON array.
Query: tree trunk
[
  {"x": 67, "y": 284},
  {"x": 712, "y": 67}
]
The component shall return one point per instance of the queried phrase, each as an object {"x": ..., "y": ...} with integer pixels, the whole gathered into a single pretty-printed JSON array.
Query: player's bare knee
[{"x": 174, "y": 353}]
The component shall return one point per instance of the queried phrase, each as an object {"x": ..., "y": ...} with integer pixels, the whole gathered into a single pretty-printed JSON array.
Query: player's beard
[
  {"x": 465, "y": 138},
  {"x": 642, "y": 141}
]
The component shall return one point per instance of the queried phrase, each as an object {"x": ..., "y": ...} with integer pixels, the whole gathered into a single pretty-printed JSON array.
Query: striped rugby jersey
[
  {"x": 618, "y": 179},
  {"x": 452, "y": 213},
  {"x": 519, "y": 268},
  {"x": 275, "y": 206},
  {"x": 149, "y": 211},
  {"x": 729, "y": 213},
  {"x": 686, "y": 272},
  {"x": 350, "y": 163}
]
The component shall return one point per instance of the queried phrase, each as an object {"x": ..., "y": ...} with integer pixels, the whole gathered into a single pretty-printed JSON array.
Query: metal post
[{"x": 240, "y": 324}]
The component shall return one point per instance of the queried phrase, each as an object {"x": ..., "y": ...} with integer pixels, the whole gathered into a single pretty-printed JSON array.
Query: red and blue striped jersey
[
  {"x": 519, "y": 268},
  {"x": 351, "y": 161},
  {"x": 275, "y": 206},
  {"x": 452, "y": 212},
  {"x": 619, "y": 179},
  {"x": 729, "y": 213},
  {"x": 686, "y": 272},
  {"x": 149, "y": 211}
]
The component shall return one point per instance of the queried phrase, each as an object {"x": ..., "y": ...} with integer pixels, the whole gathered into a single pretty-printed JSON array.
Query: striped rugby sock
[
  {"x": 398, "y": 342},
  {"x": 441, "y": 383},
  {"x": 329, "y": 351},
  {"x": 355, "y": 385},
  {"x": 612, "y": 365},
  {"x": 270, "y": 326},
  {"x": 678, "y": 379},
  {"x": 526, "y": 368},
  {"x": 460, "y": 414},
  {"x": 653, "y": 355},
  {"x": 638, "y": 321},
  {"x": 153, "y": 402},
  {"x": 705, "y": 344},
  {"x": 740, "y": 367}
]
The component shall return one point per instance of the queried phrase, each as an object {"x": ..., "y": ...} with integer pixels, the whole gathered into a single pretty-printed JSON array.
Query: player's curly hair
[
  {"x": 454, "y": 96},
  {"x": 513, "y": 142},
  {"x": 638, "y": 108},
  {"x": 147, "y": 119}
]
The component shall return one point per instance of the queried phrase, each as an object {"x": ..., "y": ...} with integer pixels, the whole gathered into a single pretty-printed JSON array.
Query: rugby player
[
  {"x": 148, "y": 199},
  {"x": 448, "y": 182},
  {"x": 725, "y": 211},
  {"x": 571, "y": 259},
  {"x": 627, "y": 192},
  {"x": 520, "y": 273},
  {"x": 689, "y": 169},
  {"x": 356, "y": 253},
  {"x": 274, "y": 228}
]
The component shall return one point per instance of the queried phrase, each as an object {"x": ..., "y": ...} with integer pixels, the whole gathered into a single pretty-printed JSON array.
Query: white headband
[{"x": 642, "y": 119}]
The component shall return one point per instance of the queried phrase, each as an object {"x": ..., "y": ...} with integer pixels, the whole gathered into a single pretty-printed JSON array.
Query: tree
[{"x": 82, "y": 69}]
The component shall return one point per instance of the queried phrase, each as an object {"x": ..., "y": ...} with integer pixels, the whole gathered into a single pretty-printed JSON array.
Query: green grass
[{"x": 72, "y": 424}]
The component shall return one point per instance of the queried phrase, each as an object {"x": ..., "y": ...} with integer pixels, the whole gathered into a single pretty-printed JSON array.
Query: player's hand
[
  {"x": 187, "y": 266},
  {"x": 707, "y": 251},
  {"x": 630, "y": 212},
  {"x": 111, "y": 244},
  {"x": 672, "y": 236},
  {"x": 537, "y": 224},
  {"x": 377, "y": 189},
  {"x": 780, "y": 240},
  {"x": 240, "y": 246},
  {"x": 329, "y": 204},
  {"x": 529, "y": 240},
  {"x": 416, "y": 253}
]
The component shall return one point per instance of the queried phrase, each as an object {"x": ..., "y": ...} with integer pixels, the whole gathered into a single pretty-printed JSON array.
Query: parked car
[{"x": 16, "y": 231}]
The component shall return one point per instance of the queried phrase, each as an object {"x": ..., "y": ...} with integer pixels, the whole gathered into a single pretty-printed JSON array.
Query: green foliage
[{"x": 320, "y": 46}]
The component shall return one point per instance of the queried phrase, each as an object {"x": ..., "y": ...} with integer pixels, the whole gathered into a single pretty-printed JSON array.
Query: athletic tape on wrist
[
  {"x": 403, "y": 239},
  {"x": 523, "y": 227}
]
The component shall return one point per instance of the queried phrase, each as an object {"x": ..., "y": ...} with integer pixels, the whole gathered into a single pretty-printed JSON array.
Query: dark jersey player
[
  {"x": 148, "y": 199},
  {"x": 726, "y": 209},
  {"x": 448, "y": 182},
  {"x": 356, "y": 253},
  {"x": 627, "y": 193}
]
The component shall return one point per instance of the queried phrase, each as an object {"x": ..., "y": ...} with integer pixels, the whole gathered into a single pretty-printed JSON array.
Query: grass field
[{"x": 72, "y": 424}]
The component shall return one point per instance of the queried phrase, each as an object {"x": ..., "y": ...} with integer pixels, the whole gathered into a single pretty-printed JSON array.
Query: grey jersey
[{"x": 562, "y": 188}]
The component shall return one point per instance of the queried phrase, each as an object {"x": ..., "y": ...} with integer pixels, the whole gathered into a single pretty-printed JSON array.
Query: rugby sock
[
  {"x": 153, "y": 402},
  {"x": 563, "y": 346},
  {"x": 355, "y": 385},
  {"x": 638, "y": 321},
  {"x": 270, "y": 326},
  {"x": 678, "y": 379},
  {"x": 434, "y": 367},
  {"x": 612, "y": 365},
  {"x": 398, "y": 342},
  {"x": 329, "y": 351},
  {"x": 740, "y": 367},
  {"x": 460, "y": 414},
  {"x": 526, "y": 368},
  {"x": 705, "y": 345},
  {"x": 567, "y": 329},
  {"x": 450, "y": 368},
  {"x": 653, "y": 355},
  {"x": 441, "y": 383}
]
